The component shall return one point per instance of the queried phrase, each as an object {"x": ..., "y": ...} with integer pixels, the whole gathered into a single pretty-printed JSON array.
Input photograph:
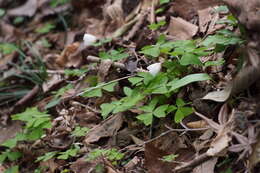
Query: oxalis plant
[
  {"x": 158, "y": 91},
  {"x": 35, "y": 124}
]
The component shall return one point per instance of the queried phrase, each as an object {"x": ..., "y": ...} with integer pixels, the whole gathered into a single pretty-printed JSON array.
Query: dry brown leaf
[
  {"x": 50, "y": 164},
  {"x": 132, "y": 164},
  {"x": 197, "y": 124},
  {"x": 207, "y": 166},
  {"x": 254, "y": 158},
  {"x": 7, "y": 31},
  {"x": 64, "y": 59},
  {"x": 46, "y": 10},
  {"x": 111, "y": 170},
  {"x": 52, "y": 82},
  {"x": 220, "y": 143},
  {"x": 187, "y": 9},
  {"x": 165, "y": 145},
  {"x": 245, "y": 78},
  {"x": 244, "y": 146},
  {"x": 115, "y": 11},
  {"x": 28, "y": 9},
  {"x": 10, "y": 131},
  {"x": 82, "y": 166},
  {"x": 204, "y": 19},
  {"x": 219, "y": 96},
  {"x": 180, "y": 29},
  {"x": 103, "y": 70},
  {"x": 107, "y": 128}
]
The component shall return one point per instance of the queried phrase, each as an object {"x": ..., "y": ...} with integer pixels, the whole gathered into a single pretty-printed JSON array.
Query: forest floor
[{"x": 134, "y": 86}]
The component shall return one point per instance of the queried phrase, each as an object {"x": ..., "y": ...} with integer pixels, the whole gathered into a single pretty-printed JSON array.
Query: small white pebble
[
  {"x": 154, "y": 68},
  {"x": 89, "y": 39}
]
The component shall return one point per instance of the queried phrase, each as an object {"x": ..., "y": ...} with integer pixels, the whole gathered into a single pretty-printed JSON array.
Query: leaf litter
[{"x": 129, "y": 86}]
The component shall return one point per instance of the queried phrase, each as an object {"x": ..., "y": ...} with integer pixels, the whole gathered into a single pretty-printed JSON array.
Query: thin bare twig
[
  {"x": 173, "y": 130},
  {"x": 136, "y": 27},
  {"x": 28, "y": 96},
  {"x": 91, "y": 58}
]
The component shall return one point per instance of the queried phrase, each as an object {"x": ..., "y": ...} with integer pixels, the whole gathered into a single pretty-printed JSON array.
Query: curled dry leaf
[
  {"x": 223, "y": 130},
  {"x": 197, "y": 124},
  {"x": 69, "y": 56},
  {"x": 132, "y": 164},
  {"x": 52, "y": 82},
  {"x": 244, "y": 146},
  {"x": 103, "y": 70}
]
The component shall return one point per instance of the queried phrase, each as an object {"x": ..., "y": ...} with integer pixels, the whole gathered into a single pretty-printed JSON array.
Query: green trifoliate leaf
[
  {"x": 12, "y": 156},
  {"x": 160, "y": 111},
  {"x": 93, "y": 93},
  {"x": 109, "y": 87},
  {"x": 181, "y": 113},
  {"x": 128, "y": 91},
  {"x": 106, "y": 109},
  {"x": 150, "y": 107},
  {"x": 180, "y": 102},
  {"x": 135, "y": 80},
  {"x": 147, "y": 118},
  {"x": 153, "y": 51},
  {"x": 46, "y": 156},
  {"x": 190, "y": 59}
]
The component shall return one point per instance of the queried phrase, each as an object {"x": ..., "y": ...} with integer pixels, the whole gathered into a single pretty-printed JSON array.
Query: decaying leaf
[
  {"x": 104, "y": 69},
  {"x": 204, "y": 19},
  {"x": 223, "y": 130},
  {"x": 197, "y": 124},
  {"x": 245, "y": 78},
  {"x": 82, "y": 166},
  {"x": 254, "y": 158},
  {"x": 181, "y": 29},
  {"x": 247, "y": 14},
  {"x": 106, "y": 129},
  {"x": 28, "y": 9},
  {"x": 10, "y": 131},
  {"x": 244, "y": 147},
  {"x": 165, "y": 145},
  {"x": 207, "y": 166},
  {"x": 69, "y": 56},
  {"x": 191, "y": 7}
]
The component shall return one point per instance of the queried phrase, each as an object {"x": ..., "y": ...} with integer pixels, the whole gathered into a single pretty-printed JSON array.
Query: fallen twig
[
  {"x": 91, "y": 58},
  {"x": 136, "y": 27},
  {"x": 173, "y": 130}
]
